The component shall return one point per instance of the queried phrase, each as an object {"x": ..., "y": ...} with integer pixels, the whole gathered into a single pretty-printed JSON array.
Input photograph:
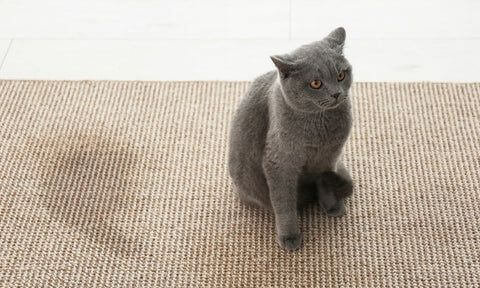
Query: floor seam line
[{"x": 6, "y": 54}]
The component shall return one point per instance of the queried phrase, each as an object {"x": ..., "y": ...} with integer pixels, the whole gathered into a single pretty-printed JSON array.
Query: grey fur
[{"x": 286, "y": 138}]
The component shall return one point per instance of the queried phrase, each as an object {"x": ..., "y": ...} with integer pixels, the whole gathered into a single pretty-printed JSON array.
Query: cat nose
[{"x": 335, "y": 95}]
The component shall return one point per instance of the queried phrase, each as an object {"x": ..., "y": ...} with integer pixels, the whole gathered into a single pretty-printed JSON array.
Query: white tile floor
[{"x": 407, "y": 40}]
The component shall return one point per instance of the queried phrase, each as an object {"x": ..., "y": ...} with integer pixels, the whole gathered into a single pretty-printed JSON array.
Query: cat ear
[
  {"x": 284, "y": 65},
  {"x": 336, "y": 39}
]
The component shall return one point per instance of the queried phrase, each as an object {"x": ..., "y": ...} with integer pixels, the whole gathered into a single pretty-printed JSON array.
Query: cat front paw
[{"x": 290, "y": 242}]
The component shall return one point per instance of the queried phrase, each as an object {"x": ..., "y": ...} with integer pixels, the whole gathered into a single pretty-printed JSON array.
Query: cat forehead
[
  {"x": 320, "y": 56},
  {"x": 323, "y": 63},
  {"x": 328, "y": 57}
]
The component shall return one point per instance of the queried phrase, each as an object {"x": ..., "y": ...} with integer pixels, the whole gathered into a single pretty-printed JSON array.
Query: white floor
[{"x": 410, "y": 40}]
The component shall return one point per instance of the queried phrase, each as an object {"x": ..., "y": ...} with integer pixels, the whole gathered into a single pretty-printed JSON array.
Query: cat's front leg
[
  {"x": 332, "y": 205},
  {"x": 282, "y": 176},
  {"x": 344, "y": 181},
  {"x": 333, "y": 187}
]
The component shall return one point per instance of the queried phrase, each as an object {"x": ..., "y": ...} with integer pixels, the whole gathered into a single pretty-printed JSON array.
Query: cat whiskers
[{"x": 321, "y": 104}]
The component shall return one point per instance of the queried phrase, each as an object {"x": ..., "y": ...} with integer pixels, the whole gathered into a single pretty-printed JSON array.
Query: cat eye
[
  {"x": 316, "y": 84},
  {"x": 341, "y": 76}
]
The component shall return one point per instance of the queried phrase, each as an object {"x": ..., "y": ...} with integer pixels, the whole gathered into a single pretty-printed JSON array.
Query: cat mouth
[{"x": 337, "y": 102}]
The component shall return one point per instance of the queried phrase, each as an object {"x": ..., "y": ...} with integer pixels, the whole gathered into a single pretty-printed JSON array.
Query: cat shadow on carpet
[{"x": 88, "y": 184}]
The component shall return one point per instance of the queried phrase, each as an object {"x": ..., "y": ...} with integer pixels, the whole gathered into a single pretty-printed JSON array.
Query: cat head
[{"x": 316, "y": 76}]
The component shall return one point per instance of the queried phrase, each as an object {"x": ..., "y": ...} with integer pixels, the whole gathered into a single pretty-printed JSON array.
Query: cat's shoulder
[
  {"x": 259, "y": 89},
  {"x": 263, "y": 83},
  {"x": 266, "y": 78}
]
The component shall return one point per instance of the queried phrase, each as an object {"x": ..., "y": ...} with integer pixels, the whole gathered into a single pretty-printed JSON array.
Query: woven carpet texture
[{"x": 125, "y": 184}]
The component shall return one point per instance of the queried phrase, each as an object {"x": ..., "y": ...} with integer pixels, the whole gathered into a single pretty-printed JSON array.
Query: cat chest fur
[{"x": 323, "y": 138}]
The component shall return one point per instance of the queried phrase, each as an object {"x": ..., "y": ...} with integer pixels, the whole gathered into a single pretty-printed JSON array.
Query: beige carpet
[{"x": 124, "y": 184}]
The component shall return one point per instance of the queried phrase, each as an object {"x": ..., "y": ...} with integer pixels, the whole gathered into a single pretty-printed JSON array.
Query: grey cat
[{"x": 288, "y": 133}]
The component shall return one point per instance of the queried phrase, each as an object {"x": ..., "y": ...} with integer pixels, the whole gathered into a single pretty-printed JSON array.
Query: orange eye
[
  {"x": 341, "y": 76},
  {"x": 316, "y": 84}
]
